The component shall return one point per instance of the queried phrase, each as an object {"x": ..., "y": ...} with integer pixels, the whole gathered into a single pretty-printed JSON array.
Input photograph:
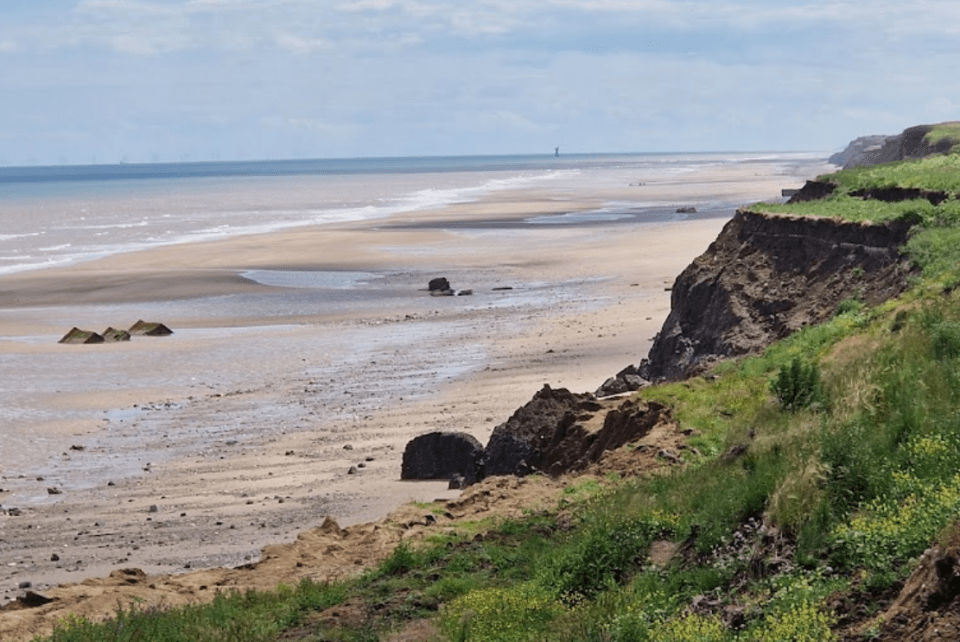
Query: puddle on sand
[{"x": 336, "y": 280}]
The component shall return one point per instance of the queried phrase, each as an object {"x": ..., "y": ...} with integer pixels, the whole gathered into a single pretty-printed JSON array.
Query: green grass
[
  {"x": 950, "y": 131},
  {"x": 856, "y": 485},
  {"x": 934, "y": 173}
]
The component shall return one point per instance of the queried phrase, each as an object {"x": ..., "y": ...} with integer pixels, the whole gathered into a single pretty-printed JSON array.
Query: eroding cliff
[
  {"x": 913, "y": 142},
  {"x": 767, "y": 276}
]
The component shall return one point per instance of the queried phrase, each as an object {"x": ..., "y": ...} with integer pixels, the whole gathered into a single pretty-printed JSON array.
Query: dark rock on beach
[
  {"x": 439, "y": 284},
  {"x": 443, "y": 455}
]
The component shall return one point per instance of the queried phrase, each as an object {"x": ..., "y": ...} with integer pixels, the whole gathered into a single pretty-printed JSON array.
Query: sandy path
[{"x": 240, "y": 429}]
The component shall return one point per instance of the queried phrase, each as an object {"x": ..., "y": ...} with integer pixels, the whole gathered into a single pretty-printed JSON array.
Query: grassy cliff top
[{"x": 933, "y": 174}]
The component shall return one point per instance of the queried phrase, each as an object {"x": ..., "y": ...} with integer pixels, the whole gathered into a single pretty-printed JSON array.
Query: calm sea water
[{"x": 53, "y": 216}]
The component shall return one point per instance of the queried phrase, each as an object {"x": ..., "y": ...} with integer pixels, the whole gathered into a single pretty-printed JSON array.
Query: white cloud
[{"x": 7, "y": 46}]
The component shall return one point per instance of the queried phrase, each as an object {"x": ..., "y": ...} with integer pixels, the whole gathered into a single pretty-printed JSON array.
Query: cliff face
[
  {"x": 873, "y": 150},
  {"x": 767, "y": 276}
]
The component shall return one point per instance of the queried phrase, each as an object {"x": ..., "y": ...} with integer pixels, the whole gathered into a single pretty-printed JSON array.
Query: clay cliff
[{"x": 767, "y": 276}]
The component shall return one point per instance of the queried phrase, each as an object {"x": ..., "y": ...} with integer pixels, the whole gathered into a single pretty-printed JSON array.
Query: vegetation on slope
[{"x": 823, "y": 468}]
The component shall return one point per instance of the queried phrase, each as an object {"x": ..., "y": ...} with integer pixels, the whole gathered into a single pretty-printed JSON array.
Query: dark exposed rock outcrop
[
  {"x": 443, "y": 455},
  {"x": 767, "y": 276},
  {"x": 553, "y": 433},
  {"x": 813, "y": 191}
]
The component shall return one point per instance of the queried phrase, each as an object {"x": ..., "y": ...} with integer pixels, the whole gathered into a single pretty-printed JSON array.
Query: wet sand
[{"x": 198, "y": 449}]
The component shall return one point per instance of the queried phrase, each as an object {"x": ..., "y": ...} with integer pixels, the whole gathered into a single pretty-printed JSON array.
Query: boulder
[
  {"x": 78, "y": 336},
  {"x": 443, "y": 455},
  {"x": 440, "y": 283}
]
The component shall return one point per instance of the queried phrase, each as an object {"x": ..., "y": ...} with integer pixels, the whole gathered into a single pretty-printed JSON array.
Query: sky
[{"x": 105, "y": 81}]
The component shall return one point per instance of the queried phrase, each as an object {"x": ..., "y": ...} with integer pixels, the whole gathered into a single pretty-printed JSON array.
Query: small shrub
[
  {"x": 802, "y": 623},
  {"x": 516, "y": 614},
  {"x": 853, "y": 305},
  {"x": 602, "y": 556},
  {"x": 692, "y": 628},
  {"x": 946, "y": 339},
  {"x": 798, "y": 385},
  {"x": 401, "y": 560}
]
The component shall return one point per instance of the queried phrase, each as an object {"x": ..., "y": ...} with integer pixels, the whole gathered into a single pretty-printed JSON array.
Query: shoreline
[{"x": 291, "y": 387}]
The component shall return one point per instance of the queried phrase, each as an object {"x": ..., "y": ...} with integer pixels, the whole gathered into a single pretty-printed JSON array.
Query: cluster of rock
[
  {"x": 912, "y": 142},
  {"x": 440, "y": 286},
  {"x": 110, "y": 335},
  {"x": 627, "y": 380},
  {"x": 554, "y": 433}
]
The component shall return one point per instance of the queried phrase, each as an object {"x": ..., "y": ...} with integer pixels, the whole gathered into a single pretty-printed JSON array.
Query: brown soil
[{"x": 928, "y": 606}]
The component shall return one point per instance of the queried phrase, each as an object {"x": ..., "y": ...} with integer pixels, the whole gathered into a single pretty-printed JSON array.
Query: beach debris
[
  {"x": 150, "y": 329},
  {"x": 687, "y": 210},
  {"x": 32, "y": 600},
  {"x": 78, "y": 448},
  {"x": 464, "y": 292},
  {"x": 441, "y": 455},
  {"x": 113, "y": 334},
  {"x": 352, "y": 470},
  {"x": 53, "y": 490},
  {"x": 348, "y": 446},
  {"x": 501, "y": 288},
  {"x": 78, "y": 336}
]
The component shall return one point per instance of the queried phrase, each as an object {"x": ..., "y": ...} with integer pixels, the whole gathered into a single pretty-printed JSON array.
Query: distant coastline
[{"x": 346, "y": 166}]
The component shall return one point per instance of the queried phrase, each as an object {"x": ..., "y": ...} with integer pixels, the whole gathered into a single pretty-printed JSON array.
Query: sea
[{"x": 58, "y": 216}]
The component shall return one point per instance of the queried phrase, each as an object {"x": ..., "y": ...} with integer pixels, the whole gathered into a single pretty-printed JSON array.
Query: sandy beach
[{"x": 240, "y": 430}]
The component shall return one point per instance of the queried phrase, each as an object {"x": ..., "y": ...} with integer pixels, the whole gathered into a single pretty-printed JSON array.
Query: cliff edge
[{"x": 767, "y": 276}]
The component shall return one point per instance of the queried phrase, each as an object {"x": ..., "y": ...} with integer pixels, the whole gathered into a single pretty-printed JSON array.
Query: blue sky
[{"x": 167, "y": 80}]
